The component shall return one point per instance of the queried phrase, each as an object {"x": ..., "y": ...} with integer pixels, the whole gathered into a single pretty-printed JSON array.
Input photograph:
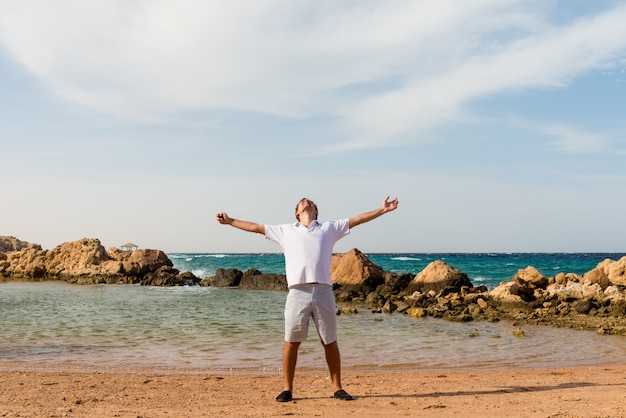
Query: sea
[{"x": 56, "y": 325}]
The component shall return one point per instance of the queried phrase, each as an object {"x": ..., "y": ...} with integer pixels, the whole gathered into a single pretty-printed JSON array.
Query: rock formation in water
[{"x": 87, "y": 262}]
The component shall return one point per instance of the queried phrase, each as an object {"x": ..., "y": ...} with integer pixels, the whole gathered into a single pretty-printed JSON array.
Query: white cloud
[
  {"x": 574, "y": 141},
  {"x": 146, "y": 58},
  {"x": 550, "y": 58}
]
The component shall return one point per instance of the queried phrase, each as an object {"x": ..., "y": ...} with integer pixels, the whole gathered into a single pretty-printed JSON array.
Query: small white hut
[{"x": 129, "y": 247}]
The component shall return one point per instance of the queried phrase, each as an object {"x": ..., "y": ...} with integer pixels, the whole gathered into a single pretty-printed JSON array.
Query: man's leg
[
  {"x": 334, "y": 366},
  {"x": 333, "y": 359},
  {"x": 290, "y": 358}
]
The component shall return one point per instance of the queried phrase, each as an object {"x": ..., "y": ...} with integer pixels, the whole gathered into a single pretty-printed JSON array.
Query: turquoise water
[
  {"x": 487, "y": 269},
  {"x": 58, "y": 325}
]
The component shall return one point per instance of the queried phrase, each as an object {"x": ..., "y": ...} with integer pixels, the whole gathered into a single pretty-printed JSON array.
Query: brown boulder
[
  {"x": 617, "y": 272},
  {"x": 354, "y": 268},
  {"x": 530, "y": 277},
  {"x": 526, "y": 281},
  {"x": 145, "y": 261},
  {"x": 607, "y": 273},
  {"x": 599, "y": 274},
  {"x": 226, "y": 278},
  {"x": 438, "y": 275}
]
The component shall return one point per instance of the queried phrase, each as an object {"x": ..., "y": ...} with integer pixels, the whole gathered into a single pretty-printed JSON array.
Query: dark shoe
[
  {"x": 343, "y": 395},
  {"x": 285, "y": 396}
]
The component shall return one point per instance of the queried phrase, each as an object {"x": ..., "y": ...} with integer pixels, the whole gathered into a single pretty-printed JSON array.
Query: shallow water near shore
[{"x": 53, "y": 324}]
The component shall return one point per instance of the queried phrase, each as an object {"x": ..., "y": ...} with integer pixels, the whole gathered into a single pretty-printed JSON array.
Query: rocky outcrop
[
  {"x": 252, "y": 279},
  {"x": 87, "y": 262},
  {"x": 167, "y": 276},
  {"x": 595, "y": 300},
  {"x": 9, "y": 244}
]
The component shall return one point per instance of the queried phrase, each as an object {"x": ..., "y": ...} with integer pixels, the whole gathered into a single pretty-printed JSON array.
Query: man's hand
[
  {"x": 389, "y": 206},
  {"x": 223, "y": 218}
]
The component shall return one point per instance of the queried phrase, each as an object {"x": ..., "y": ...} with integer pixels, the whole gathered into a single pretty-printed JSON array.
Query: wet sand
[{"x": 596, "y": 391}]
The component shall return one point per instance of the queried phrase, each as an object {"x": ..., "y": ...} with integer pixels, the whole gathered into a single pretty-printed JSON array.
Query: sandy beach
[{"x": 598, "y": 391}]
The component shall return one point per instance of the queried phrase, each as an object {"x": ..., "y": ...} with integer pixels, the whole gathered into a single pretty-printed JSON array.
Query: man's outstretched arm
[
  {"x": 224, "y": 219},
  {"x": 387, "y": 206}
]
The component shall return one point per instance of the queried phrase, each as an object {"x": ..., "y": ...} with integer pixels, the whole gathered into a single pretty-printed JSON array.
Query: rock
[
  {"x": 506, "y": 293},
  {"x": 416, "y": 312},
  {"x": 582, "y": 306},
  {"x": 350, "y": 293},
  {"x": 375, "y": 300},
  {"x": 599, "y": 275},
  {"x": 607, "y": 273},
  {"x": 617, "y": 272},
  {"x": 575, "y": 291},
  {"x": 475, "y": 311},
  {"x": 142, "y": 262},
  {"x": 527, "y": 281},
  {"x": 10, "y": 244},
  {"x": 394, "y": 283},
  {"x": 167, "y": 276},
  {"x": 401, "y": 306},
  {"x": 227, "y": 278},
  {"x": 390, "y": 307},
  {"x": 618, "y": 308},
  {"x": 77, "y": 258},
  {"x": 112, "y": 267},
  {"x": 437, "y": 276},
  {"x": 613, "y": 294},
  {"x": 27, "y": 263},
  {"x": 349, "y": 310},
  {"x": 590, "y": 301},
  {"x": 251, "y": 272},
  {"x": 531, "y": 277},
  {"x": 255, "y": 280},
  {"x": 354, "y": 268}
]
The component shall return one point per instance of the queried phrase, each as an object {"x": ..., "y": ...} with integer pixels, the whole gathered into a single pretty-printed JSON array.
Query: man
[{"x": 308, "y": 248}]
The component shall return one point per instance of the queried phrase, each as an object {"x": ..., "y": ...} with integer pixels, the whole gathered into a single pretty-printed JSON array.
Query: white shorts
[{"x": 308, "y": 301}]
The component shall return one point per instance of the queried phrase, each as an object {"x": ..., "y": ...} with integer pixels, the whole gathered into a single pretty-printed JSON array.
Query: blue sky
[{"x": 498, "y": 124}]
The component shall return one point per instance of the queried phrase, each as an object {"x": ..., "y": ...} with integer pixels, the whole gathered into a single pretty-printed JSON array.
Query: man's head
[{"x": 305, "y": 204}]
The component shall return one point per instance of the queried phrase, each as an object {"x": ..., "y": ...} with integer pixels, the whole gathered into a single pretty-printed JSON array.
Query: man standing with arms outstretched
[{"x": 308, "y": 249}]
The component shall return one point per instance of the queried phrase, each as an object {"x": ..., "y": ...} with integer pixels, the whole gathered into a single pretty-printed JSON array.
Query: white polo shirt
[{"x": 308, "y": 251}]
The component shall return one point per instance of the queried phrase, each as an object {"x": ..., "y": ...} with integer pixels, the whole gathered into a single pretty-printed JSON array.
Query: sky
[{"x": 499, "y": 125}]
